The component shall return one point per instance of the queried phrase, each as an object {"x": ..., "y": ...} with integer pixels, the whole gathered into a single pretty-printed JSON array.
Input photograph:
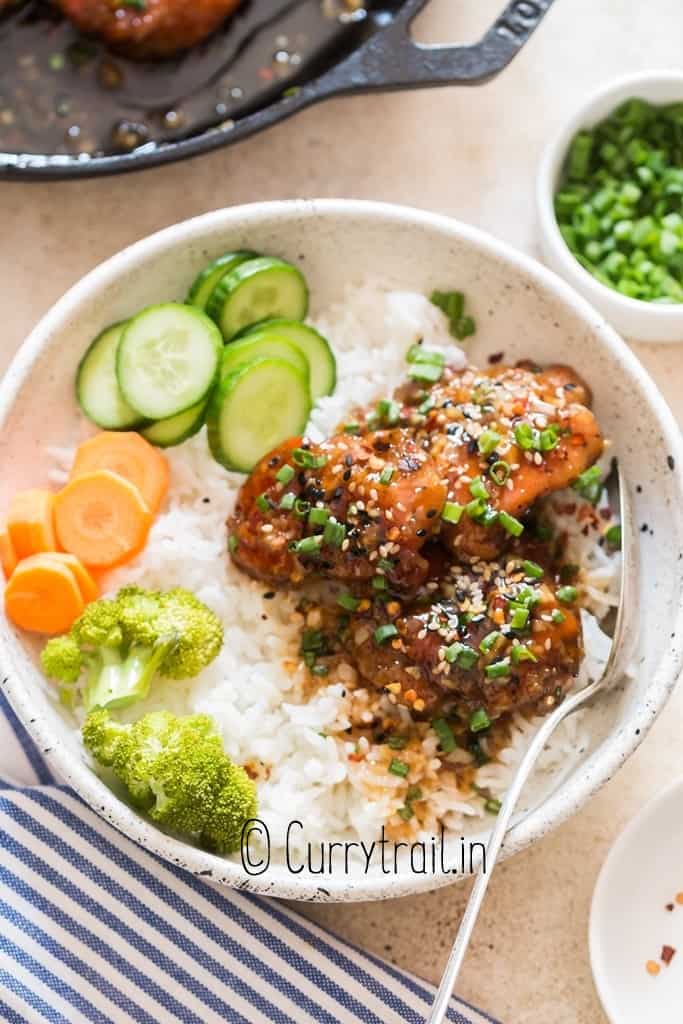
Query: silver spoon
[{"x": 617, "y": 661}]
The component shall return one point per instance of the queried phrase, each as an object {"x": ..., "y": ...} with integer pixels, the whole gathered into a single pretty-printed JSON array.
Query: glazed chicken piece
[
  {"x": 339, "y": 509},
  {"x": 488, "y": 638},
  {"x": 503, "y": 438},
  {"x": 148, "y": 28}
]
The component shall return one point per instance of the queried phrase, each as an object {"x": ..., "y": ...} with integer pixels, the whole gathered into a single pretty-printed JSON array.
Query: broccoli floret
[
  {"x": 122, "y": 644},
  {"x": 175, "y": 769}
]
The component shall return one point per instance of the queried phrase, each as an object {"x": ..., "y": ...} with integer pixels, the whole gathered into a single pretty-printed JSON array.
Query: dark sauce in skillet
[{"x": 62, "y": 93}]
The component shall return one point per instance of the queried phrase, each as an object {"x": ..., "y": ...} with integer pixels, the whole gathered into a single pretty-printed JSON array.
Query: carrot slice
[
  {"x": 90, "y": 591},
  {"x": 30, "y": 523},
  {"x": 129, "y": 455},
  {"x": 43, "y": 596},
  {"x": 8, "y": 556},
  {"x": 102, "y": 519}
]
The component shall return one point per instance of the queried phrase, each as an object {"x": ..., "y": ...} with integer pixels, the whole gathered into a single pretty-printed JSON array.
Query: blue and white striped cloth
[{"x": 94, "y": 930}]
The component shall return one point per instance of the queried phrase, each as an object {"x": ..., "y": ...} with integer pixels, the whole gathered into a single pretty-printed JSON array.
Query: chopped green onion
[
  {"x": 567, "y": 595},
  {"x": 452, "y": 513},
  {"x": 479, "y": 720},
  {"x": 492, "y": 805},
  {"x": 465, "y": 327},
  {"x": 334, "y": 534},
  {"x": 430, "y": 372},
  {"x": 510, "y": 524},
  {"x": 478, "y": 489},
  {"x": 521, "y": 653},
  {"x": 233, "y": 543},
  {"x": 557, "y": 617},
  {"x": 308, "y": 546},
  {"x": 385, "y": 564},
  {"x": 320, "y": 670},
  {"x": 386, "y": 475},
  {"x": 287, "y": 501},
  {"x": 613, "y": 536},
  {"x": 397, "y": 742},
  {"x": 498, "y": 670},
  {"x": 318, "y": 516},
  {"x": 520, "y": 618},
  {"x": 490, "y": 641},
  {"x": 532, "y": 569},
  {"x": 399, "y": 768},
  {"x": 445, "y": 734},
  {"x": 285, "y": 474},
  {"x": 413, "y": 793},
  {"x": 460, "y": 654},
  {"x": 406, "y": 812},
  {"x": 302, "y": 508},
  {"x": 525, "y": 436},
  {"x": 476, "y": 509},
  {"x": 589, "y": 484},
  {"x": 450, "y": 303},
  {"x": 352, "y": 428},
  {"x": 262, "y": 503},
  {"x": 379, "y": 583},
  {"x": 426, "y": 405},
  {"x": 487, "y": 442},
  {"x": 312, "y": 640},
  {"x": 302, "y": 457},
  {"x": 549, "y": 438},
  {"x": 389, "y": 412},
  {"x": 348, "y": 602},
  {"x": 418, "y": 354},
  {"x": 499, "y": 472},
  {"x": 527, "y": 597},
  {"x": 384, "y": 633}
]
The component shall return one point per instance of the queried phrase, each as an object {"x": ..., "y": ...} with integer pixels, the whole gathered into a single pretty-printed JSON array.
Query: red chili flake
[
  {"x": 668, "y": 953},
  {"x": 266, "y": 74},
  {"x": 495, "y": 357}
]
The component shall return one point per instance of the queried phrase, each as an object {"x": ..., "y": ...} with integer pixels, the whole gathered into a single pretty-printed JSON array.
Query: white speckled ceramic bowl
[{"x": 522, "y": 310}]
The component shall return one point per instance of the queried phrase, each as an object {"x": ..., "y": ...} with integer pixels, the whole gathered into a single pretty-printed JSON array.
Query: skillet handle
[{"x": 390, "y": 59}]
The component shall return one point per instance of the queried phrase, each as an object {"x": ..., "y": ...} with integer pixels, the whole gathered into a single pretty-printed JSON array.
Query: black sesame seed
[
  {"x": 420, "y": 533},
  {"x": 431, "y": 513},
  {"x": 348, "y": 460},
  {"x": 269, "y": 595},
  {"x": 274, "y": 461},
  {"x": 346, "y": 476},
  {"x": 670, "y": 462},
  {"x": 207, "y": 501}
]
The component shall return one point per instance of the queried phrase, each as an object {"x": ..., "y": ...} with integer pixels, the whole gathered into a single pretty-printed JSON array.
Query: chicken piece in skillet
[
  {"x": 148, "y": 28},
  {"x": 502, "y": 438},
  {"x": 479, "y": 641},
  {"x": 339, "y": 509}
]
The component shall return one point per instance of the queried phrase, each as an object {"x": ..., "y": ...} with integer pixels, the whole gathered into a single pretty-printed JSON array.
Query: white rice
[{"x": 256, "y": 691}]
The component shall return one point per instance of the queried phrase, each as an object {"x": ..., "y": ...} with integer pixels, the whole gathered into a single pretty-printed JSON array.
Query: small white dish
[
  {"x": 641, "y": 321},
  {"x": 630, "y": 923}
]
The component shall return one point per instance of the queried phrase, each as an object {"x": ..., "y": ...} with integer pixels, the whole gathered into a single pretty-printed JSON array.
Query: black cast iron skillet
[{"x": 70, "y": 109}]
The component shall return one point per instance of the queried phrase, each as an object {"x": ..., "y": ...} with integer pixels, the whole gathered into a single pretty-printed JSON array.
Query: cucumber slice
[
  {"x": 269, "y": 346},
  {"x": 168, "y": 359},
  {"x": 206, "y": 281},
  {"x": 253, "y": 409},
  {"x": 321, "y": 361},
  {"x": 259, "y": 289},
  {"x": 176, "y": 429},
  {"x": 97, "y": 388}
]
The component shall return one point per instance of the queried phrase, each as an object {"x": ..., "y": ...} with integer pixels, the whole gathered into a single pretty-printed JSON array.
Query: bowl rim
[
  {"x": 560, "y": 804},
  {"x": 660, "y": 315}
]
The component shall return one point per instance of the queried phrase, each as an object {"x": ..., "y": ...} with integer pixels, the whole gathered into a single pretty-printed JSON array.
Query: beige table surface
[{"x": 472, "y": 154}]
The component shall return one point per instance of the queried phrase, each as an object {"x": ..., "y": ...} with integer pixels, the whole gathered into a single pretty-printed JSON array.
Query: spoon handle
[{"x": 485, "y": 870}]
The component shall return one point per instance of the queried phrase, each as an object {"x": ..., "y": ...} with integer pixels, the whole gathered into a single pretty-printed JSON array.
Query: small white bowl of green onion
[{"x": 610, "y": 201}]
